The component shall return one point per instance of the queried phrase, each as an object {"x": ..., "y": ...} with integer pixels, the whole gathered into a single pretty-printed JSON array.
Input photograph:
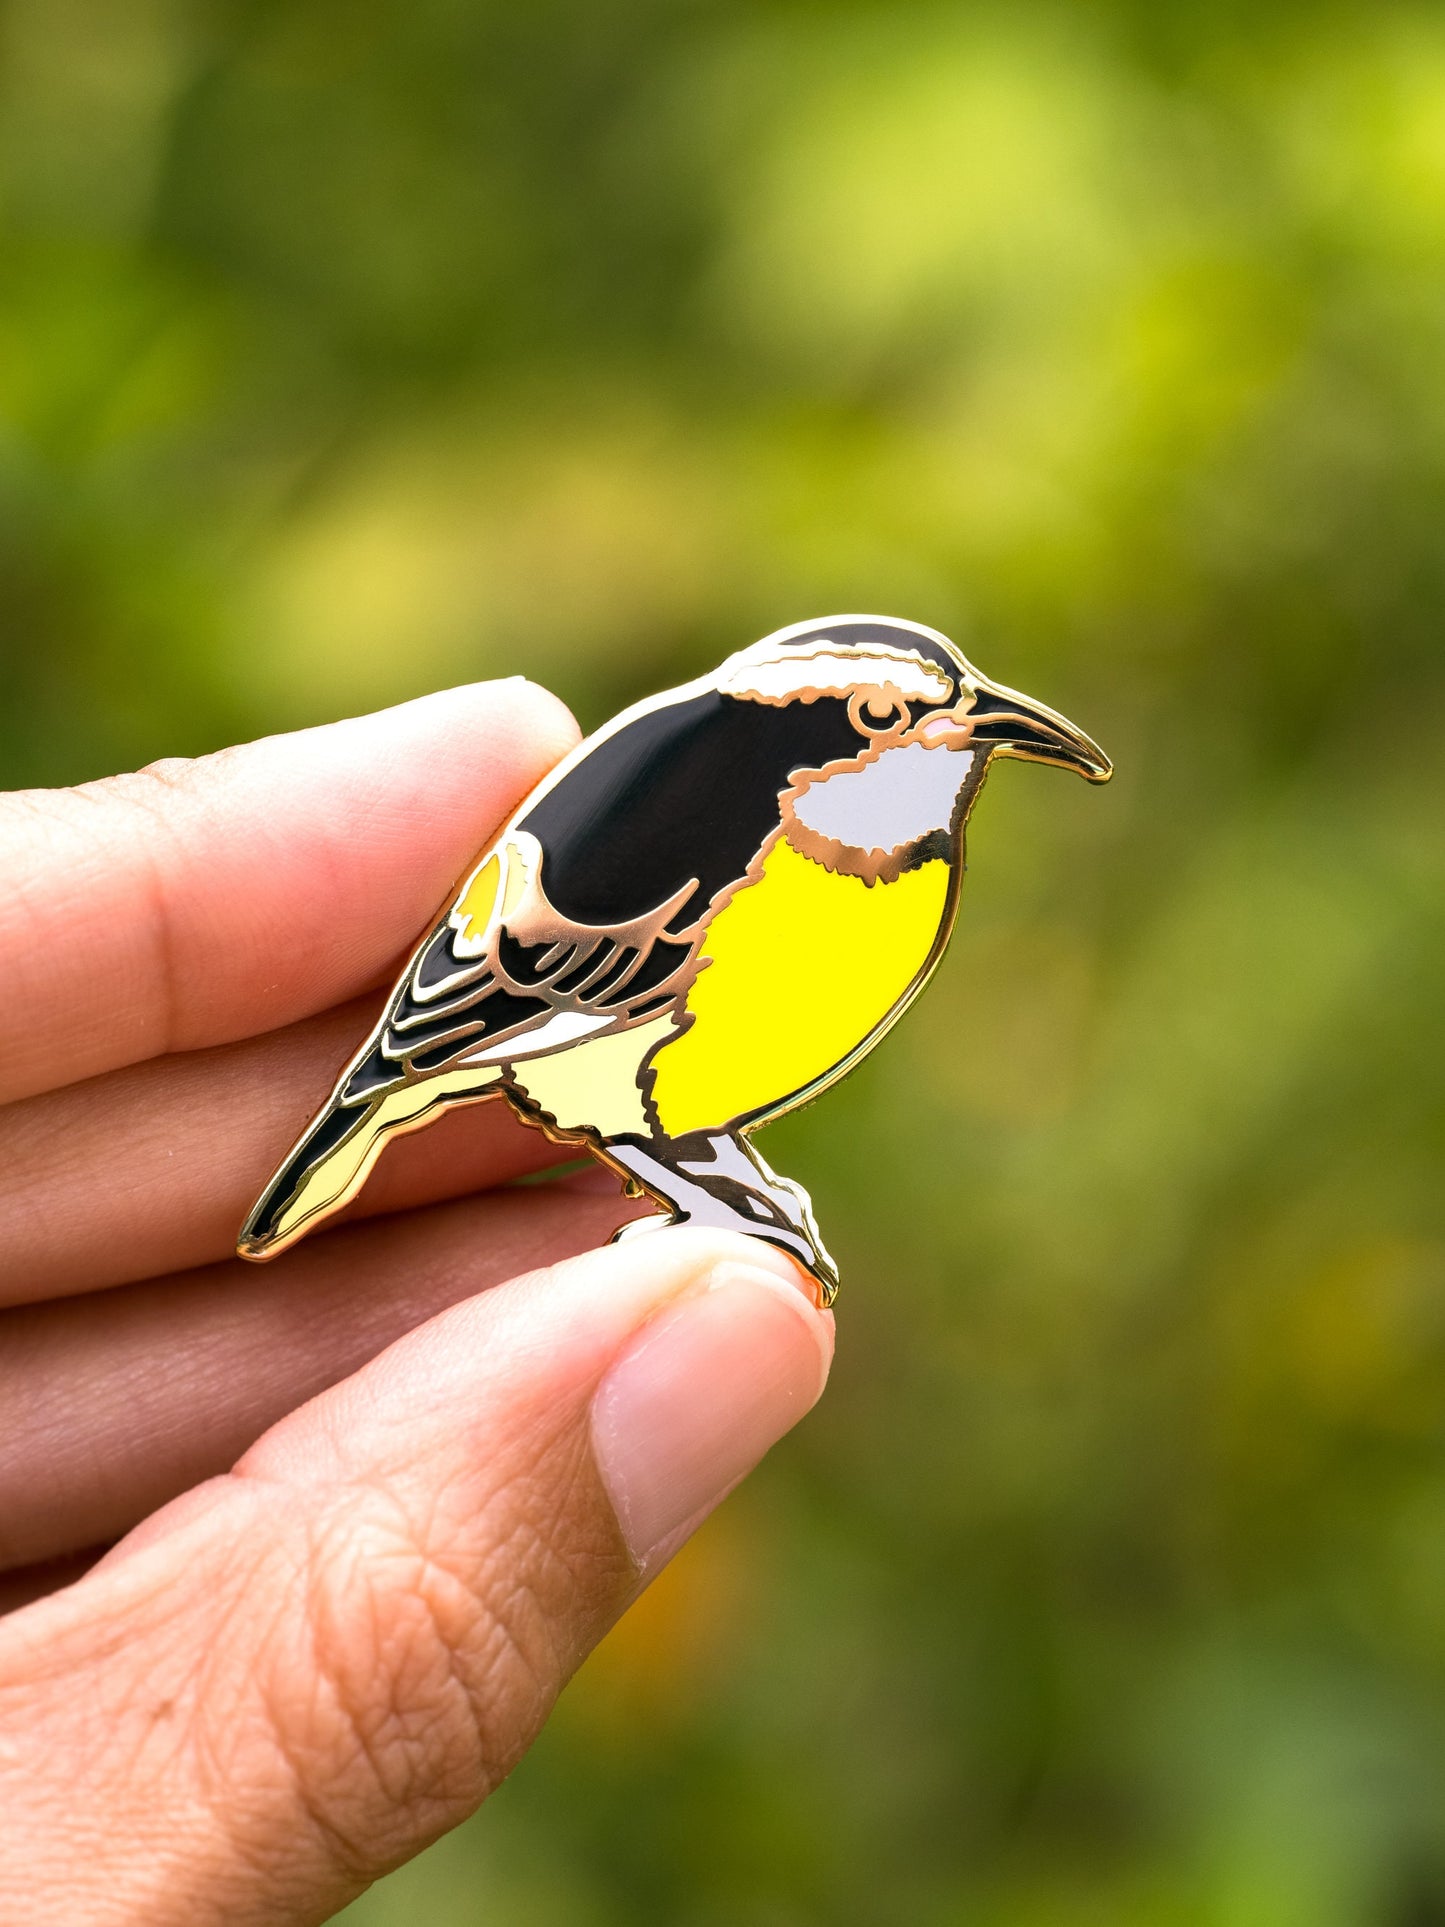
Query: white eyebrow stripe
[{"x": 769, "y": 674}]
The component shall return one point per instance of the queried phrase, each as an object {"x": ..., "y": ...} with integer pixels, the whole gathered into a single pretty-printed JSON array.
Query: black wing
[
  {"x": 685, "y": 793},
  {"x": 465, "y": 997},
  {"x": 627, "y": 852}
]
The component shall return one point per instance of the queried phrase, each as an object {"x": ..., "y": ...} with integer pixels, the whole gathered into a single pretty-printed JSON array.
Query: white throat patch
[{"x": 870, "y": 821}]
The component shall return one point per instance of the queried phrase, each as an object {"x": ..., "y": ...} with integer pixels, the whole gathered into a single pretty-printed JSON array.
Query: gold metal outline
[{"x": 1077, "y": 751}]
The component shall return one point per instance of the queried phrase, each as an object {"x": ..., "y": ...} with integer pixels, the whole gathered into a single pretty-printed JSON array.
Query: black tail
[{"x": 329, "y": 1165}]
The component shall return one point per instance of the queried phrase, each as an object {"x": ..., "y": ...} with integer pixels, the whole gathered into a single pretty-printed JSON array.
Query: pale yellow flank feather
[{"x": 594, "y": 1084}]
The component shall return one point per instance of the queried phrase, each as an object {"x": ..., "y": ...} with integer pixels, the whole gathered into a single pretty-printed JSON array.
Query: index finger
[{"x": 199, "y": 902}]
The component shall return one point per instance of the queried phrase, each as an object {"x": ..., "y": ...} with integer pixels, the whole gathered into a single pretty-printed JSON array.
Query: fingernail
[{"x": 700, "y": 1395}]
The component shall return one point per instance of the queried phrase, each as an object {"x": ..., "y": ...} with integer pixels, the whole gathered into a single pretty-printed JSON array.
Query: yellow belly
[{"x": 805, "y": 965}]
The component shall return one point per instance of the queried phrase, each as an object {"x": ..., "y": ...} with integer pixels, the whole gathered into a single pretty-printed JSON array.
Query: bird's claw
[{"x": 809, "y": 1253}]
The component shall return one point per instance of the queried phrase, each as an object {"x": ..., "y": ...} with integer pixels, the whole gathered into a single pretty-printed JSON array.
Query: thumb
[{"x": 296, "y": 1676}]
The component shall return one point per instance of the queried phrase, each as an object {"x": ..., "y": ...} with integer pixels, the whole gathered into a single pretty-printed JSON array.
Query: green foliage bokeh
[{"x": 349, "y": 350}]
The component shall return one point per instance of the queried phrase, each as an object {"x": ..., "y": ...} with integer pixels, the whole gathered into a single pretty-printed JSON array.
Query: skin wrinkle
[
  {"x": 175, "y": 776},
  {"x": 582, "y": 1496},
  {"x": 501, "y": 1650},
  {"x": 272, "y": 1852},
  {"x": 164, "y": 1721},
  {"x": 431, "y": 1719},
  {"x": 324, "y": 1761},
  {"x": 95, "y": 1715},
  {"x": 163, "y": 978},
  {"x": 546, "y": 1577},
  {"x": 422, "y": 1786},
  {"x": 599, "y": 1570},
  {"x": 107, "y": 1476},
  {"x": 20, "y": 887},
  {"x": 127, "y": 791},
  {"x": 516, "y": 1611},
  {"x": 416, "y": 1560},
  {"x": 521, "y": 1653},
  {"x": 234, "y": 1781},
  {"x": 428, "y": 1706},
  {"x": 26, "y": 1202}
]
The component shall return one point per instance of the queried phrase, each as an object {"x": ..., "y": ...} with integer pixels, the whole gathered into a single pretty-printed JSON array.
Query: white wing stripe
[{"x": 565, "y": 1028}]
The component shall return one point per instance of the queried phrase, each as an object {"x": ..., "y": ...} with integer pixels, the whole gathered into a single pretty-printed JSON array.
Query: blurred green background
[{"x": 349, "y": 350}]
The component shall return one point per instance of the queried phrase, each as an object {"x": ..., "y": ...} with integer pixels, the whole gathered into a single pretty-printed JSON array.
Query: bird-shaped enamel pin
[{"x": 704, "y": 916}]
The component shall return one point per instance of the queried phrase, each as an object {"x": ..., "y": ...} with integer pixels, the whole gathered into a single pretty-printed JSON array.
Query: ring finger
[{"x": 118, "y": 1401}]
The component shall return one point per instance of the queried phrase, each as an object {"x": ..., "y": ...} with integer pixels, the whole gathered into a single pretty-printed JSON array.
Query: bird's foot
[
  {"x": 721, "y": 1182},
  {"x": 639, "y": 1227}
]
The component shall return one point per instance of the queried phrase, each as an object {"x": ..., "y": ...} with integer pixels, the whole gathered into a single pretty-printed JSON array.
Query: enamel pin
[{"x": 704, "y": 916}]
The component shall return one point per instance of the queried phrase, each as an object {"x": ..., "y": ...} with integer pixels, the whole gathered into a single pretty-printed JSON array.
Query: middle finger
[
  {"x": 151, "y": 1169},
  {"x": 117, "y": 1402}
]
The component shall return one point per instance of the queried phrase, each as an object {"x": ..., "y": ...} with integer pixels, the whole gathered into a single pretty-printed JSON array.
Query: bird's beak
[{"x": 1012, "y": 724}]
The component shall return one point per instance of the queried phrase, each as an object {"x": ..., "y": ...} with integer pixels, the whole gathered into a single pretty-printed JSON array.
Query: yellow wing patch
[
  {"x": 475, "y": 905},
  {"x": 805, "y": 963},
  {"x": 493, "y": 890}
]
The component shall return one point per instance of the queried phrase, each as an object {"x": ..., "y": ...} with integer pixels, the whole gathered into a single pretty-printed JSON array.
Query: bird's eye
[{"x": 877, "y": 712}]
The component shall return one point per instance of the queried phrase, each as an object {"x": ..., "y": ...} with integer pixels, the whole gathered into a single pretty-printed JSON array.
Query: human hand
[{"x": 301, "y": 1669}]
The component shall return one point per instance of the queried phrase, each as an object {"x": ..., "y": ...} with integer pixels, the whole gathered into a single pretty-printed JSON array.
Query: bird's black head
[{"x": 686, "y": 788}]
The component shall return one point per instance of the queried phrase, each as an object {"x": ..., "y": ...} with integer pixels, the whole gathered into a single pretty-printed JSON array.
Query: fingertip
[
  {"x": 519, "y": 727},
  {"x": 516, "y": 715},
  {"x": 798, "y": 1295},
  {"x": 552, "y": 722},
  {"x": 703, "y": 1390},
  {"x": 760, "y": 1254}
]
